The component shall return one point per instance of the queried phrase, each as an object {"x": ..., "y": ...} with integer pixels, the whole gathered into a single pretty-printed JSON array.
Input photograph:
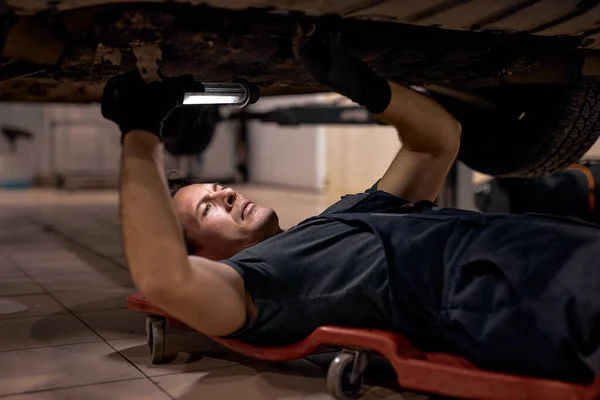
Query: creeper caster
[
  {"x": 345, "y": 374},
  {"x": 156, "y": 338}
]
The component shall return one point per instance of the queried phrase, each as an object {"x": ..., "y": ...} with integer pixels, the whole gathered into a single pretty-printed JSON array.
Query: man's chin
[{"x": 266, "y": 219}]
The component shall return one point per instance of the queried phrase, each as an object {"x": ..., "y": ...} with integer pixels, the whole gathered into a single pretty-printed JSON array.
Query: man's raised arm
[
  {"x": 430, "y": 141},
  {"x": 429, "y": 134},
  {"x": 207, "y": 295}
]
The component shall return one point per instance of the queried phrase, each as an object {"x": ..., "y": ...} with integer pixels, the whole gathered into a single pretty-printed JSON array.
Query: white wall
[
  {"x": 289, "y": 156},
  {"x": 79, "y": 141},
  {"x": 339, "y": 158},
  {"x": 216, "y": 163},
  {"x": 594, "y": 152},
  {"x": 357, "y": 156},
  {"x": 218, "y": 160},
  {"x": 20, "y": 165},
  {"x": 343, "y": 159},
  {"x": 75, "y": 140}
]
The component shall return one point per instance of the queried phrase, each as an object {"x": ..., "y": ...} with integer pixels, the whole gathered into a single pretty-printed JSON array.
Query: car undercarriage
[
  {"x": 79, "y": 49},
  {"x": 488, "y": 62}
]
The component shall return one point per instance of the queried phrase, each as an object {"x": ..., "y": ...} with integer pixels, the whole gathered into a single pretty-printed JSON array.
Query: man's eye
[{"x": 206, "y": 208}]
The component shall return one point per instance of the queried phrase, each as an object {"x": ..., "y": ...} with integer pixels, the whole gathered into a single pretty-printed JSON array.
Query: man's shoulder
[
  {"x": 371, "y": 200},
  {"x": 345, "y": 203}
]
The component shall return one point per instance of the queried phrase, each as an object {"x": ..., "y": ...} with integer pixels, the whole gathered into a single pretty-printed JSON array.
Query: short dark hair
[{"x": 174, "y": 185}]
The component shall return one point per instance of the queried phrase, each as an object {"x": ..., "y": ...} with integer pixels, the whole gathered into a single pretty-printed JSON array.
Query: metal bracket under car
[{"x": 312, "y": 115}]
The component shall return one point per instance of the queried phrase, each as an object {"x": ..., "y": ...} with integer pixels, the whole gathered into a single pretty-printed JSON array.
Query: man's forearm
[
  {"x": 423, "y": 125},
  {"x": 430, "y": 141},
  {"x": 152, "y": 236}
]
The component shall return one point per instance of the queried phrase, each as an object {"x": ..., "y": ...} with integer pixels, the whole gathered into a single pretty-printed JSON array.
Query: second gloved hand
[
  {"x": 325, "y": 57},
  {"x": 132, "y": 103}
]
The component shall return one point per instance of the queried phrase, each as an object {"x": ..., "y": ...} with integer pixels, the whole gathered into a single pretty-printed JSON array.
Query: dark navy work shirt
[
  {"x": 320, "y": 272},
  {"x": 515, "y": 293}
]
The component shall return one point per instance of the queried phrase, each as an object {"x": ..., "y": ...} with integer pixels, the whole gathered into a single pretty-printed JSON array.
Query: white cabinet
[
  {"x": 286, "y": 155},
  {"x": 18, "y": 162},
  {"x": 81, "y": 142}
]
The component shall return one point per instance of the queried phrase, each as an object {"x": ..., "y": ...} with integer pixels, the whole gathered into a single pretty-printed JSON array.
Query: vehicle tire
[
  {"x": 534, "y": 130},
  {"x": 190, "y": 129}
]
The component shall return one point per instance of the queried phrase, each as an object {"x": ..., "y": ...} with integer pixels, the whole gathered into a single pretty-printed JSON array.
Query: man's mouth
[{"x": 246, "y": 209}]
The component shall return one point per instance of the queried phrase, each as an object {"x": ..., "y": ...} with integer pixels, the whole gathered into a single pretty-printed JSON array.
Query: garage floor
[{"x": 61, "y": 259}]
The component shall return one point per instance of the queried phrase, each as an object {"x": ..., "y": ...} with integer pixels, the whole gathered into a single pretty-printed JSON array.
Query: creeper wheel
[
  {"x": 345, "y": 374},
  {"x": 156, "y": 339}
]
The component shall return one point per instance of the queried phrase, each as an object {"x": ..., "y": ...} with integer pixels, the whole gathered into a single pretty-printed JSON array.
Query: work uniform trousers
[{"x": 511, "y": 293}]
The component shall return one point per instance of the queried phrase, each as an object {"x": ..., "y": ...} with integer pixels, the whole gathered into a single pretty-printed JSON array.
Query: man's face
[{"x": 221, "y": 221}]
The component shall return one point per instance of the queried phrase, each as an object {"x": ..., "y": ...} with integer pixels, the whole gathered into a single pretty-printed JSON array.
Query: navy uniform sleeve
[{"x": 371, "y": 200}]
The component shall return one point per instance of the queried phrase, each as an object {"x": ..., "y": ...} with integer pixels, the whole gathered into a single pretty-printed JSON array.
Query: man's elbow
[
  {"x": 157, "y": 291},
  {"x": 153, "y": 290},
  {"x": 449, "y": 143},
  {"x": 454, "y": 135}
]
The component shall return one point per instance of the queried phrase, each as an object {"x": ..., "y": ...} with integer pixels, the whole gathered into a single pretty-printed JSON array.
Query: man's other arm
[
  {"x": 430, "y": 135},
  {"x": 430, "y": 138},
  {"x": 207, "y": 295}
]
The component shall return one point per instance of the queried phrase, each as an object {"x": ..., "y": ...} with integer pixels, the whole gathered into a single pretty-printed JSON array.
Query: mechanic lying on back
[{"x": 511, "y": 293}]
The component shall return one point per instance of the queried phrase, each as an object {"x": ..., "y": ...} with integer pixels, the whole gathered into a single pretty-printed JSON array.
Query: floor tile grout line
[
  {"x": 27, "y": 274},
  {"x": 62, "y": 305},
  {"x": 50, "y": 228},
  {"x": 73, "y": 386},
  {"x": 101, "y": 339},
  {"x": 53, "y": 345},
  {"x": 23, "y": 295},
  {"x": 139, "y": 369},
  {"x": 107, "y": 342},
  {"x": 62, "y": 238},
  {"x": 234, "y": 365},
  {"x": 177, "y": 372},
  {"x": 84, "y": 323},
  {"x": 371, "y": 392},
  {"x": 14, "y": 264},
  {"x": 65, "y": 307},
  {"x": 56, "y": 231}
]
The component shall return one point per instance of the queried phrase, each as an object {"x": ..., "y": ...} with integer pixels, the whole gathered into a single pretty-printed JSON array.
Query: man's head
[{"x": 219, "y": 222}]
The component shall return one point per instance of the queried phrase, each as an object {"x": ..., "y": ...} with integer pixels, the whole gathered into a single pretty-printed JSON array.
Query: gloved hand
[
  {"x": 132, "y": 103},
  {"x": 325, "y": 57}
]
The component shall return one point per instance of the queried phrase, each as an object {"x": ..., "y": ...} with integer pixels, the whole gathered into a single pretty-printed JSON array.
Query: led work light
[{"x": 239, "y": 93}]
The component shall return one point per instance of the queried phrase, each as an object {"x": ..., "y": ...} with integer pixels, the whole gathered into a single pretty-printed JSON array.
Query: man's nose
[{"x": 227, "y": 196}]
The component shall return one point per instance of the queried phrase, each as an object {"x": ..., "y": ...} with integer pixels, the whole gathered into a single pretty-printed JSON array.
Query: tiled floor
[{"x": 62, "y": 263}]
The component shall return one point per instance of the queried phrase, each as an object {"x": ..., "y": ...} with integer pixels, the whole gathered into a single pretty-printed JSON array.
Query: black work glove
[
  {"x": 325, "y": 57},
  {"x": 132, "y": 103}
]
